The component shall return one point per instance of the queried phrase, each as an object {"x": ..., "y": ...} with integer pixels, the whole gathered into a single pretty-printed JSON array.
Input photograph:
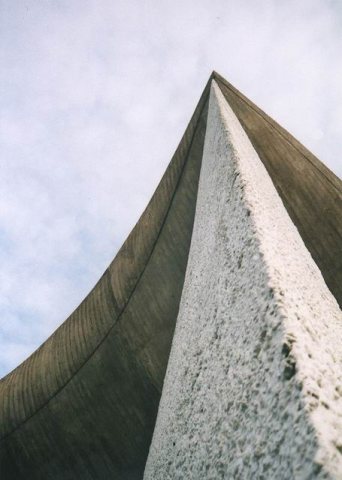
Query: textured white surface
[{"x": 253, "y": 388}]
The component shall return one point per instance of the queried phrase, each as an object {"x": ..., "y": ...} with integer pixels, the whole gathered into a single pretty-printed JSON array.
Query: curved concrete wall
[
  {"x": 84, "y": 404},
  {"x": 252, "y": 385}
]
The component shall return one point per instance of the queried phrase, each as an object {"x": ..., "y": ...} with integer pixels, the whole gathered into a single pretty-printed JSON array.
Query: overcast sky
[{"x": 94, "y": 98}]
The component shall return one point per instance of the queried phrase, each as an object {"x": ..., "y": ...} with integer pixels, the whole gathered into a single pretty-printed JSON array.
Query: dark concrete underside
[{"x": 85, "y": 403}]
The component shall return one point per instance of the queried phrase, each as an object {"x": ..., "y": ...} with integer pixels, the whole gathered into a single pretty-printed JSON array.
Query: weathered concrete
[
  {"x": 84, "y": 404},
  {"x": 253, "y": 385}
]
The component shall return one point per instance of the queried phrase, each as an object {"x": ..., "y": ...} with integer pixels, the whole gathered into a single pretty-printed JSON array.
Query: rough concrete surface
[
  {"x": 253, "y": 388},
  {"x": 84, "y": 405},
  {"x": 311, "y": 193}
]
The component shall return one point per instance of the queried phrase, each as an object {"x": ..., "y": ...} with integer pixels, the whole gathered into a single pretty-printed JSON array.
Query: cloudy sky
[{"x": 94, "y": 97}]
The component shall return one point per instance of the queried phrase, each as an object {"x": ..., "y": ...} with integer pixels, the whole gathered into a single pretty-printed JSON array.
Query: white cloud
[{"x": 95, "y": 96}]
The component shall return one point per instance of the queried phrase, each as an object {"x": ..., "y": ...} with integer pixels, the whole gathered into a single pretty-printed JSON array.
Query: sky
[{"x": 94, "y": 98}]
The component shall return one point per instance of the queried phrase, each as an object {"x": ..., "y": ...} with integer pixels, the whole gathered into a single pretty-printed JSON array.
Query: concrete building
[{"x": 234, "y": 266}]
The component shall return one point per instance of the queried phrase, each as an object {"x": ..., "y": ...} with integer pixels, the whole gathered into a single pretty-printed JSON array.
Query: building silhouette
[{"x": 242, "y": 242}]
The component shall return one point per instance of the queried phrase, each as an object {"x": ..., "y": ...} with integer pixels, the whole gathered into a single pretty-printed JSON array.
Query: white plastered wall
[{"x": 254, "y": 383}]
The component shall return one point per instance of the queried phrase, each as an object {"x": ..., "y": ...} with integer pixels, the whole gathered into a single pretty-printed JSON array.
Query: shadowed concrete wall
[
  {"x": 84, "y": 404},
  {"x": 257, "y": 352}
]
